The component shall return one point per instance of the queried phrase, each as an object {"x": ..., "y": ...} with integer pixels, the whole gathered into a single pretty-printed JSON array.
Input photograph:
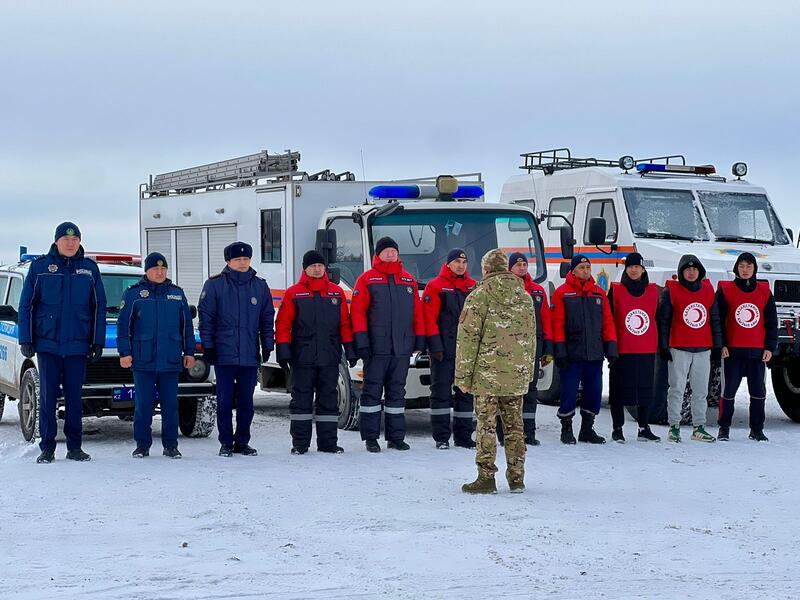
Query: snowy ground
[{"x": 619, "y": 521}]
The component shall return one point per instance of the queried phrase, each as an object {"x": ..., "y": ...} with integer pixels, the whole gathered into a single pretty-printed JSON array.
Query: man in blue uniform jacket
[
  {"x": 62, "y": 319},
  {"x": 237, "y": 330},
  {"x": 155, "y": 336}
]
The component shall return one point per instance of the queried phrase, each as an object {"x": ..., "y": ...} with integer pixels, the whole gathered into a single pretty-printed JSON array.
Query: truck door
[
  {"x": 9, "y": 332},
  {"x": 349, "y": 250},
  {"x": 273, "y": 256},
  {"x": 605, "y": 257}
]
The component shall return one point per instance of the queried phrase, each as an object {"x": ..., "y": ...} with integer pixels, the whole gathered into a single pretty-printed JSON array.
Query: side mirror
[
  {"x": 567, "y": 242},
  {"x": 563, "y": 270},
  {"x": 334, "y": 275},
  {"x": 8, "y": 313},
  {"x": 791, "y": 234},
  {"x": 597, "y": 231},
  {"x": 193, "y": 311},
  {"x": 326, "y": 244}
]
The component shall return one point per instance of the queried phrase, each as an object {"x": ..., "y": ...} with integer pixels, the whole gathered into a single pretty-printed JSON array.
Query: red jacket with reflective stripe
[{"x": 442, "y": 302}]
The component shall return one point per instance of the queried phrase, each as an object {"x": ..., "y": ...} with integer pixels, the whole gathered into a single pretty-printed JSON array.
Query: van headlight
[{"x": 200, "y": 370}]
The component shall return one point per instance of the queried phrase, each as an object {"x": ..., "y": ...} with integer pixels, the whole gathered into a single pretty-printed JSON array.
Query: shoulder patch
[{"x": 426, "y": 299}]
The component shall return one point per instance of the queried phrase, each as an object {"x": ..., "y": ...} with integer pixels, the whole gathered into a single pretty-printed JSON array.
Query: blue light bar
[
  {"x": 428, "y": 191},
  {"x": 649, "y": 167},
  {"x": 698, "y": 170}
]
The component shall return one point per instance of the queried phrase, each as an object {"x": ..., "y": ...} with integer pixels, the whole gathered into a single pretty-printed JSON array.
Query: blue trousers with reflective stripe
[
  {"x": 443, "y": 397},
  {"x": 308, "y": 382},
  {"x": 588, "y": 373},
  {"x": 384, "y": 375},
  {"x": 147, "y": 384},
  {"x": 235, "y": 385},
  {"x": 65, "y": 372}
]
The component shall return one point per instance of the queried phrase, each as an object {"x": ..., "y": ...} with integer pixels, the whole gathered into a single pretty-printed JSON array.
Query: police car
[{"x": 108, "y": 388}]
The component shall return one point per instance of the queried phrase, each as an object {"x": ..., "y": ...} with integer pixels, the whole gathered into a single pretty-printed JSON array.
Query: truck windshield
[
  {"x": 664, "y": 214},
  {"x": 115, "y": 286},
  {"x": 736, "y": 217},
  {"x": 425, "y": 238}
]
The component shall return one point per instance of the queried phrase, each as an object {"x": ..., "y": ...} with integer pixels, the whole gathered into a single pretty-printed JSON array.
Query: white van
[{"x": 663, "y": 208}]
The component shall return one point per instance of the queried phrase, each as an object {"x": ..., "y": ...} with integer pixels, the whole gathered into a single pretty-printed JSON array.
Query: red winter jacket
[
  {"x": 583, "y": 326},
  {"x": 386, "y": 311},
  {"x": 442, "y": 302},
  {"x": 544, "y": 328},
  {"x": 313, "y": 323}
]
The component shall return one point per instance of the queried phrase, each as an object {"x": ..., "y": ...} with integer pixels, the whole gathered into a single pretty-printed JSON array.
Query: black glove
[
  {"x": 210, "y": 355},
  {"x": 352, "y": 362},
  {"x": 265, "y": 355},
  {"x": 95, "y": 352},
  {"x": 27, "y": 350},
  {"x": 284, "y": 364},
  {"x": 665, "y": 354},
  {"x": 437, "y": 356},
  {"x": 364, "y": 353},
  {"x": 562, "y": 362},
  {"x": 716, "y": 354}
]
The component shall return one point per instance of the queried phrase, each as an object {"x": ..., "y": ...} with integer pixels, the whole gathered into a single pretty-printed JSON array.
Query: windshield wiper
[
  {"x": 664, "y": 235},
  {"x": 741, "y": 238}
]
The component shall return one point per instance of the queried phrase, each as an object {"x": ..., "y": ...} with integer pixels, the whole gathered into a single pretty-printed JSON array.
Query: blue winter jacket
[
  {"x": 155, "y": 326},
  {"x": 237, "y": 318},
  {"x": 62, "y": 309}
]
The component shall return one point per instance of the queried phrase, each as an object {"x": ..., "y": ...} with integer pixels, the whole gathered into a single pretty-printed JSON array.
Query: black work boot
[
  {"x": 140, "y": 452},
  {"x": 46, "y": 457},
  {"x": 331, "y": 450},
  {"x": 78, "y": 454},
  {"x": 567, "y": 437},
  {"x": 244, "y": 450},
  {"x": 758, "y": 435},
  {"x": 373, "y": 446},
  {"x": 172, "y": 452},
  {"x": 647, "y": 435},
  {"x": 398, "y": 445},
  {"x": 443, "y": 445},
  {"x": 226, "y": 451},
  {"x": 724, "y": 433},
  {"x": 617, "y": 435},
  {"x": 587, "y": 433},
  {"x": 297, "y": 450}
]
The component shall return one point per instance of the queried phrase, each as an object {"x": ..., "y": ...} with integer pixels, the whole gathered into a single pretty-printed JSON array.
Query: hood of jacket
[
  {"x": 685, "y": 260},
  {"x": 503, "y": 287}
]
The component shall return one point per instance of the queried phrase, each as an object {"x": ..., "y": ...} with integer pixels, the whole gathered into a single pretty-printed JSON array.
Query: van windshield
[
  {"x": 736, "y": 217},
  {"x": 425, "y": 238},
  {"x": 664, "y": 214},
  {"x": 115, "y": 286}
]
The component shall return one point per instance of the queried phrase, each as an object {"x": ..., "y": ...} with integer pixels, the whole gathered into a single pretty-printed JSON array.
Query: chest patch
[
  {"x": 334, "y": 301},
  {"x": 637, "y": 321},
  {"x": 83, "y": 272},
  {"x": 52, "y": 268},
  {"x": 695, "y": 315},
  {"x": 409, "y": 290},
  {"x": 173, "y": 297},
  {"x": 253, "y": 301},
  {"x": 144, "y": 293},
  {"x": 747, "y": 315}
]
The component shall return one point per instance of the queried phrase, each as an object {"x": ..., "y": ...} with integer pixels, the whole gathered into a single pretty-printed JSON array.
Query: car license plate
[{"x": 124, "y": 394}]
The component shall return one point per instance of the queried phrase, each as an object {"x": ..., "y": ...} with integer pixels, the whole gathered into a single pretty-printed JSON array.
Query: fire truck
[{"x": 264, "y": 199}]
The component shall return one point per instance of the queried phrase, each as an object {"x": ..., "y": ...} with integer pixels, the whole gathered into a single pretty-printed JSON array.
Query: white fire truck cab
[
  {"x": 264, "y": 200},
  {"x": 663, "y": 208}
]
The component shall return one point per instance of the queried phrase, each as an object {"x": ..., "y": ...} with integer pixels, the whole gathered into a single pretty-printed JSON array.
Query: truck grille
[
  {"x": 787, "y": 291},
  {"x": 107, "y": 370}
]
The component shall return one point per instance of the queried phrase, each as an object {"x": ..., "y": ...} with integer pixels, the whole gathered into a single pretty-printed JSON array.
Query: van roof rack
[{"x": 559, "y": 159}]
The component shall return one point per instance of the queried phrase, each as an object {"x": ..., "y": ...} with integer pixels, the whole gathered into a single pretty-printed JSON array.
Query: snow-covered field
[{"x": 618, "y": 521}]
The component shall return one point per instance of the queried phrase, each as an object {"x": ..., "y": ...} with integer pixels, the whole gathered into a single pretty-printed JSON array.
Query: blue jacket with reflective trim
[
  {"x": 155, "y": 326},
  {"x": 62, "y": 308},
  {"x": 237, "y": 318}
]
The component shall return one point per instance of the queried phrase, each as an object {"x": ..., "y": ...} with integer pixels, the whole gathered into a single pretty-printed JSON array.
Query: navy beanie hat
[
  {"x": 454, "y": 254},
  {"x": 312, "y": 257},
  {"x": 577, "y": 260},
  {"x": 154, "y": 259},
  {"x": 384, "y": 243},
  {"x": 516, "y": 257},
  {"x": 237, "y": 250},
  {"x": 634, "y": 259},
  {"x": 67, "y": 228}
]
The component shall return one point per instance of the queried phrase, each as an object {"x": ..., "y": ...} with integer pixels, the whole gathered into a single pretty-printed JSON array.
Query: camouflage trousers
[{"x": 510, "y": 408}]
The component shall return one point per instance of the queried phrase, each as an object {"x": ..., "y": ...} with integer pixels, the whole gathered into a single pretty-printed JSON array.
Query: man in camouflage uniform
[{"x": 495, "y": 352}]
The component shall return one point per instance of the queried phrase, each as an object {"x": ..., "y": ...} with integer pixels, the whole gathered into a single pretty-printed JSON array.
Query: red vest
[
  {"x": 635, "y": 319},
  {"x": 744, "y": 324},
  {"x": 691, "y": 315}
]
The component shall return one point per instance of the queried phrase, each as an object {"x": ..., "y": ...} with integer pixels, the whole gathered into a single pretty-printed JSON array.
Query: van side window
[
  {"x": 3, "y": 288},
  {"x": 526, "y": 203},
  {"x": 605, "y": 210},
  {"x": 271, "y": 235},
  {"x": 561, "y": 206},
  {"x": 15, "y": 292},
  {"x": 349, "y": 252}
]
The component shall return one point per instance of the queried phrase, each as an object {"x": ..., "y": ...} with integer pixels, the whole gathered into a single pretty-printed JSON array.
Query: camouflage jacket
[{"x": 496, "y": 344}]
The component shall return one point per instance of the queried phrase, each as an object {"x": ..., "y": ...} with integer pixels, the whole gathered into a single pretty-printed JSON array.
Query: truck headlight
[{"x": 200, "y": 370}]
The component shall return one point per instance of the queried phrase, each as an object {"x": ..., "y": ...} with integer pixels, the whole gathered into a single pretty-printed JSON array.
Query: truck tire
[
  {"x": 196, "y": 416},
  {"x": 348, "y": 400},
  {"x": 786, "y": 384},
  {"x": 29, "y": 405},
  {"x": 658, "y": 411},
  {"x": 552, "y": 395}
]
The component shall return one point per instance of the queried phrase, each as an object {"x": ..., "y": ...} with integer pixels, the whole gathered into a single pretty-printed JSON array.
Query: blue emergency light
[
  {"x": 419, "y": 191},
  {"x": 662, "y": 168}
]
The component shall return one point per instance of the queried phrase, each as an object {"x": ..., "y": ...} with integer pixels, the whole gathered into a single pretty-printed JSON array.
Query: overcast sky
[{"x": 95, "y": 96}]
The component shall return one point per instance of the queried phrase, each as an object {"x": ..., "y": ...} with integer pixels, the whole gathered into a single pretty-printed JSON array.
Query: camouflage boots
[{"x": 482, "y": 485}]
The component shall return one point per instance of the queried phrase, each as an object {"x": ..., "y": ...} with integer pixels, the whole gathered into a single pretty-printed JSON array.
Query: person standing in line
[
  {"x": 238, "y": 335},
  {"x": 750, "y": 335}
]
